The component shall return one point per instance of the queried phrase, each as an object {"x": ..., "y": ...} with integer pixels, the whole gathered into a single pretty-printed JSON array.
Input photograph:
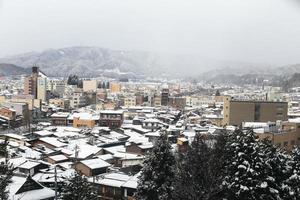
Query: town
[{"x": 103, "y": 128}]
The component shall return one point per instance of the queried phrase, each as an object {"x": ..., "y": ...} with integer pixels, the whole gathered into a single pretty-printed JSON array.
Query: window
[{"x": 285, "y": 144}]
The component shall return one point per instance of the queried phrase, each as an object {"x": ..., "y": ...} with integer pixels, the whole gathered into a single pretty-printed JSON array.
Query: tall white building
[{"x": 42, "y": 88}]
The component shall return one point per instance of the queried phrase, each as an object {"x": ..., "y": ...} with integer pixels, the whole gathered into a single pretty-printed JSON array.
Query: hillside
[{"x": 11, "y": 69}]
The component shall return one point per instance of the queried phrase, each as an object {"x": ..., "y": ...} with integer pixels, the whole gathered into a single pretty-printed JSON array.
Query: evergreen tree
[
  {"x": 246, "y": 173},
  {"x": 193, "y": 180},
  {"x": 3, "y": 149},
  {"x": 78, "y": 188},
  {"x": 292, "y": 183},
  {"x": 157, "y": 175},
  {"x": 6, "y": 171},
  {"x": 217, "y": 161},
  {"x": 277, "y": 169}
]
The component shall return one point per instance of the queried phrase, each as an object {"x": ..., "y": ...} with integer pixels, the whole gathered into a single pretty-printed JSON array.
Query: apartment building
[
  {"x": 90, "y": 85},
  {"x": 235, "y": 112}
]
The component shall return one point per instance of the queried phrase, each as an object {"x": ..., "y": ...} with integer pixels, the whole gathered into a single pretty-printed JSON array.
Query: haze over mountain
[{"x": 94, "y": 61}]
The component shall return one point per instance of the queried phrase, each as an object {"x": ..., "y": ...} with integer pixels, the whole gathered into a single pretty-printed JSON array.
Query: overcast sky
[{"x": 266, "y": 31}]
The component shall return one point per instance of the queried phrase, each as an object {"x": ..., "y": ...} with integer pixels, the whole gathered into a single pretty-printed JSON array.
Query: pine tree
[
  {"x": 157, "y": 175},
  {"x": 3, "y": 148},
  {"x": 278, "y": 170},
  {"x": 292, "y": 183},
  {"x": 246, "y": 173},
  {"x": 78, "y": 188},
  {"x": 6, "y": 171},
  {"x": 216, "y": 164},
  {"x": 194, "y": 179}
]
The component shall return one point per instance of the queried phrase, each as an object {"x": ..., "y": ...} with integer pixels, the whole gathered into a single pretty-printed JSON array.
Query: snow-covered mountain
[{"x": 92, "y": 61}]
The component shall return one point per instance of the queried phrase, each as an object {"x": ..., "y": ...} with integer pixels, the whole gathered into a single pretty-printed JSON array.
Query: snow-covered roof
[
  {"x": 86, "y": 150},
  {"x": 29, "y": 164},
  {"x": 15, "y": 136},
  {"x": 52, "y": 141},
  {"x": 43, "y": 133},
  {"x": 95, "y": 163},
  {"x": 112, "y": 112},
  {"x": 84, "y": 116},
  {"x": 295, "y": 120},
  {"x": 58, "y": 158},
  {"x": 37, "y": 194},
  {"x": 60, "y": 114}
]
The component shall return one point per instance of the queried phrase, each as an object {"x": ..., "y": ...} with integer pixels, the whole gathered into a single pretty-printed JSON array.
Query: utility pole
[{"x": 55, "y": 179}]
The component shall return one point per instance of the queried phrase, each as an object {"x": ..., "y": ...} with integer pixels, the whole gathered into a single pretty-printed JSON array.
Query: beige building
[
  {"x": 42, "y": 88},
  {"x": 287, "y": 138},
  {"x": 114, "y": 87},
  {"x": 130, "y": 101},
  {"x": 157, "y": 100},
  {"x": 32, "y": 103},
  {"x": 89, "y": 85},
  {"x": 62, "y": 103},
  {"x": 236, "y": 112}
]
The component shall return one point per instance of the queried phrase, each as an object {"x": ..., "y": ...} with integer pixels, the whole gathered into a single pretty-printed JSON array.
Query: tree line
[{"x": 233, "y": 165}]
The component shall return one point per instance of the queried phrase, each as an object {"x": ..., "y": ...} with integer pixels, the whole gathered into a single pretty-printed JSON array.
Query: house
[
  {"x": 28, "y": 189},
  {"x": 152, "y": 124},
  {"x": 49, "y": 142},
  {"x": 91, "y": 167},
  {"x": 83, "y": 120},
  {"x": 31, "y": 167},
  {"x": 139, "y": 148},
  {"x": 129, "y": 187},
  {"x": 110, "y": 186},
  {"x": 60, "y": 118},
  {"x": 86, "y": 151},
  {"x": 56, "y": 159}
]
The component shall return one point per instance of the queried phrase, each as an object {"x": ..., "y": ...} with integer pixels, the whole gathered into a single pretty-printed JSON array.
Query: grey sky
[{"x": 265, "y": 31}]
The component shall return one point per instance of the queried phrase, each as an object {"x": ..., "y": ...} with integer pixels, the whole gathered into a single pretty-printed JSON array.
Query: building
[
  {"x": 130, "y": 101},
  {"x": 61, "y": 103},
  {"x": 29, "y": 100},
  {"x": 83, "y": 120},
  {"x": 116, "y": 186},
  {"x": 235, "y": 112},
  {"x": 157, "y": 101},
  {"x": 139, "y": 148},
  {"x": 165, "y": 97},
  {"x": 287, "y": 137},
  {"x": 77, "y": 100},
  {"x": 92, "y": 167},
  {"x": 27, "y": 188},
  {"x": 9, "y": 118},
  {"x": 60, "y": 118},
  {"x": 177, "y": 102},
  {"x": 114, "y": 87},
  {"x": 90, "y": 85},
  {"x": 111, "y": 118},
  {"x": 57, "y": 87},
  {"x": 42, "y": 88},
  {"x": 30, "y": 83}
]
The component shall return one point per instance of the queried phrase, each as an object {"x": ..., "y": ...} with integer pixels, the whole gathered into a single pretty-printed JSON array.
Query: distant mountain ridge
[
  {"x": 11, "y": 69},
  {"x": 96, "y": 61},
  {"x": 93, "y": 61}
]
